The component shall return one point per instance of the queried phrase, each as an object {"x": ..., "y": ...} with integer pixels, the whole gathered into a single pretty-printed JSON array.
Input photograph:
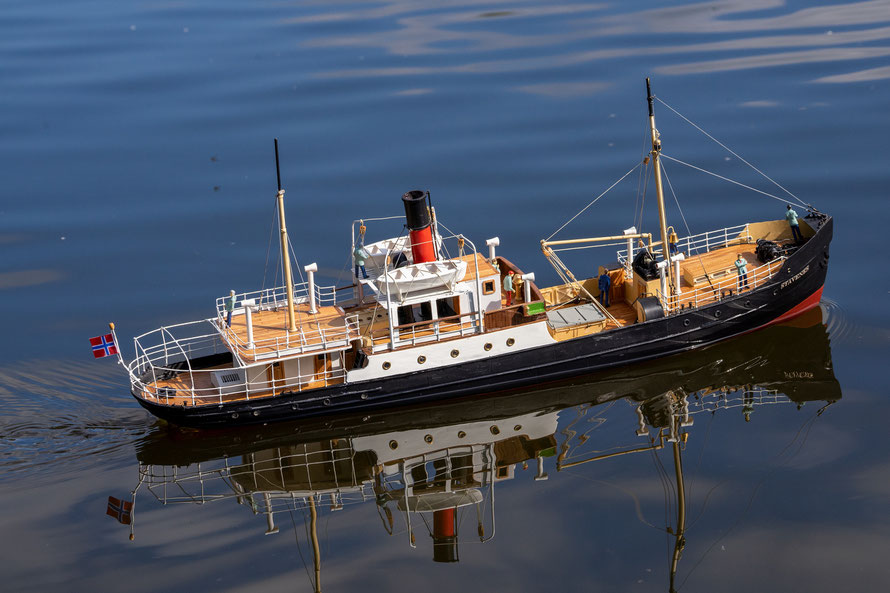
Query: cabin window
[
  {"x": 447, "y": 307},
  {"x": 415, "y": 313},
  {"x": 488, "y": 287}
]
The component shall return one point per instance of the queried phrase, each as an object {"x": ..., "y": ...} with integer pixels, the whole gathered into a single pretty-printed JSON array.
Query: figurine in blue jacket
[{"x": 605, "y": 283}]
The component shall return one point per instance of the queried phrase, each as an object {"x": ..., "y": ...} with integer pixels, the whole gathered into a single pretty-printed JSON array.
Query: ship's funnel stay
[
  {"x": 417, "y": 213},
  {"x": 444, "y": 536}
]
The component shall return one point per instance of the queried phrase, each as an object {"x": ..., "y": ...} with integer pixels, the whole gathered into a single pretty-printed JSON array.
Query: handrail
[
  {"x": 273, "y": 297},
  {"x": 212, "y": 395},
  {"x": 716, "y": 290},
  {"x": 699, "y": 243},
  {"x": 309, "y": 341}
]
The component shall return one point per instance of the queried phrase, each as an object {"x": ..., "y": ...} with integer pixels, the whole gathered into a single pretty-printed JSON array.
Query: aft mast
[
  {"x": 285, "y": 256},
  {"x": 656, "y": 163}
]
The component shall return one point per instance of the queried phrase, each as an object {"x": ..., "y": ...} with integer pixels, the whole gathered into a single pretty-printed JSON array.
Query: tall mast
[
  {"x": 285, "y": 256},
  {"x": 656, "y": 162}
]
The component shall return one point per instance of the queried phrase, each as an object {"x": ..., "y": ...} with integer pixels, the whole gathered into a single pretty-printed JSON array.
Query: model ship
[{"x": 427, "y": 319}]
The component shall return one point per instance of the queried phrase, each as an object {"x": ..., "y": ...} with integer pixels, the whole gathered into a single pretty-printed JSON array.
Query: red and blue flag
[
  {"x": 121, "y": 510},
  {"x": 103, "y": 346}
]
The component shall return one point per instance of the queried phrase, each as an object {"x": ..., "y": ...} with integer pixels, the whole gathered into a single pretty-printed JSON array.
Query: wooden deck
[
  {"x": 486, "y": 270},
  {"x": 270, "y": 333}
]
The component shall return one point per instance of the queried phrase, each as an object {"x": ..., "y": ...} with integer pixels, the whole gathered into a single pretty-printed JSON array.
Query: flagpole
[{"x": 117, "y": 345}]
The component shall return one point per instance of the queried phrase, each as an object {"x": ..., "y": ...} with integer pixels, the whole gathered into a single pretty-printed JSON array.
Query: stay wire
[
  {"x": 592, "y": 202},
  {"x": 733, "y": 153},
  {"x": 299, "y": 549},
  {"x": 754, "y": 189},
  {"x": 686, "y": 224},
  {"x": 805, "y": 430}
]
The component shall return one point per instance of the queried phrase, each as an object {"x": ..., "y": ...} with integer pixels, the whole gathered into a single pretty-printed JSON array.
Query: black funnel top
[{"x": 416, "y": 210}]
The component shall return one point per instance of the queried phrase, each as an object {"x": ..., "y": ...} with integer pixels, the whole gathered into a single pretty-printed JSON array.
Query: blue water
[{"x": 138, "y": 185}]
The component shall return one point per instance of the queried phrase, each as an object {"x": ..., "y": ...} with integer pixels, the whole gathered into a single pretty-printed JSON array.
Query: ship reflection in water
[{"x": 431, "y": 469}]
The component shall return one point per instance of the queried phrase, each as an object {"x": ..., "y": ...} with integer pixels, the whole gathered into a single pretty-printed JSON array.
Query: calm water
[{"x": 138, "y": 186}]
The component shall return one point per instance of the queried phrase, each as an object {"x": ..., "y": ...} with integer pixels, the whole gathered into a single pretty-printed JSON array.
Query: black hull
[{"x": 795, "y": 289}]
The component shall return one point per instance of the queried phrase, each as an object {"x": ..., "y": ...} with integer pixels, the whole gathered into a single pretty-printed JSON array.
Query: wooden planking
[
  {"x": 623, "y": 313},
  {"x": 486, "y": 270},
  {"x": 716, "y": 260},
  {"x": 271, "y": 325}
]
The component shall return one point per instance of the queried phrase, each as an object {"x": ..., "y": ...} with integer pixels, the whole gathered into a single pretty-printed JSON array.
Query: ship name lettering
[
  {"x": 794, "y": 278},
  {"x": 798, "y": 375}
]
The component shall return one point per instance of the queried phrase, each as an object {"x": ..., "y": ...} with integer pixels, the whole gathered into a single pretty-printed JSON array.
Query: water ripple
[{"x": 61, "y": 415}]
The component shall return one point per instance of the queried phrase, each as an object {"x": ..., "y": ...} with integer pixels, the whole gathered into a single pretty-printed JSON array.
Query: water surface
[{"x": 139, "y": 179}]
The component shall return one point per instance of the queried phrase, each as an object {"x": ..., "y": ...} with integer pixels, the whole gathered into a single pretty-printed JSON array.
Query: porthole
[
  {"x": 256, "y": 412},
  {"x": 428, "y": 439},
  {"x": 455, "y": 353},
  {"x": 387, "y": 366},
  {"x": 364, "y": 396},
  {"x": 517, "y": 428},
  {"x": 510, "y": 341},
  {"x": 326, "y": 402},
  {"x": 718, "y": 313},
  {"x": 788, "y": 270},
  {"x": 461, "y": 434},
  {"x": 487, "y": 346},
  {"x": 747, "y": 303},
  {"x": 421, "y": 359},
  {"x": 495, "y": 430},
  {"x": 393, "y": 445},
  {"x": 234, "y": 415},
  {"x": 776, "y": 292},
  {"x": 685, "y": 323}
]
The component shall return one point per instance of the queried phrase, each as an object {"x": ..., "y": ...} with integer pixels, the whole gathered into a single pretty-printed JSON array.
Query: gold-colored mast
[
  {"x": 316, "y": 552},
  {"x": 285, "y": 254},
  {"x": 680, "y": 534},
  {"x": 656, "y": 163}
]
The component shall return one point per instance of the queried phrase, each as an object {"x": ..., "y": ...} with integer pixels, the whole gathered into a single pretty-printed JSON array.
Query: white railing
[
  {"x": 159, "y": 385},
  {"x": 432, "y": 330},
  {"x": 719, "y": 289},
  {"x": 696, "y": 244},
  {"x": 296, "y": 342},
  {"x": 162, "y": 370},
  {"x": 273, "y": 298}
]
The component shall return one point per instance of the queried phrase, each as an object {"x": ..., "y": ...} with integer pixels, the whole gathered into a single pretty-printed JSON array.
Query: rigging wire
[
  {"x": 754, "y": 189},
  {"x": 799, "y": 201},
  {"x": 686, "y": 224},
  {"x": 593, "y": 202},
  {"x": 805, "y": 429},
  {"x": 299, "y": 549},
  {"x": 269, "y": 250}
]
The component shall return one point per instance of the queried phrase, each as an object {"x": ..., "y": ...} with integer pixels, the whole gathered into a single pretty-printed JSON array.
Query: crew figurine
[
  {"x": 741, "y": 265},
  {"x": 360, "y": 255},
  {"x": 605, "y": 285},
  {"x": 230, "y": 307},
  {"x": 508, "y": 287},
  {"x": 791, "y": 217}
]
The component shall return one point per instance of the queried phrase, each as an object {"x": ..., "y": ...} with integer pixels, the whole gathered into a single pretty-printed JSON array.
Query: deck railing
[
  {"x": 296, "y": 342},
  {"x": 719, "y": 289},
  {"x": 273, "y": 298},
  {"x": 162, "y": 370},
  {"x": 700, "y": 243},
  {"x": 432, "y": 330}
]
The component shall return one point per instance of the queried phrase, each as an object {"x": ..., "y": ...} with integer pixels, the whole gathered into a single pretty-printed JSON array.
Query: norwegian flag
[
  {"x": 103, "y": 346},
  {"x": 121, "y": 510}
]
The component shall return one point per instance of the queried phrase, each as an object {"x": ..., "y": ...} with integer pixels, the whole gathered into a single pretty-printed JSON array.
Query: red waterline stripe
[{"x": 808, "y": 303}]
